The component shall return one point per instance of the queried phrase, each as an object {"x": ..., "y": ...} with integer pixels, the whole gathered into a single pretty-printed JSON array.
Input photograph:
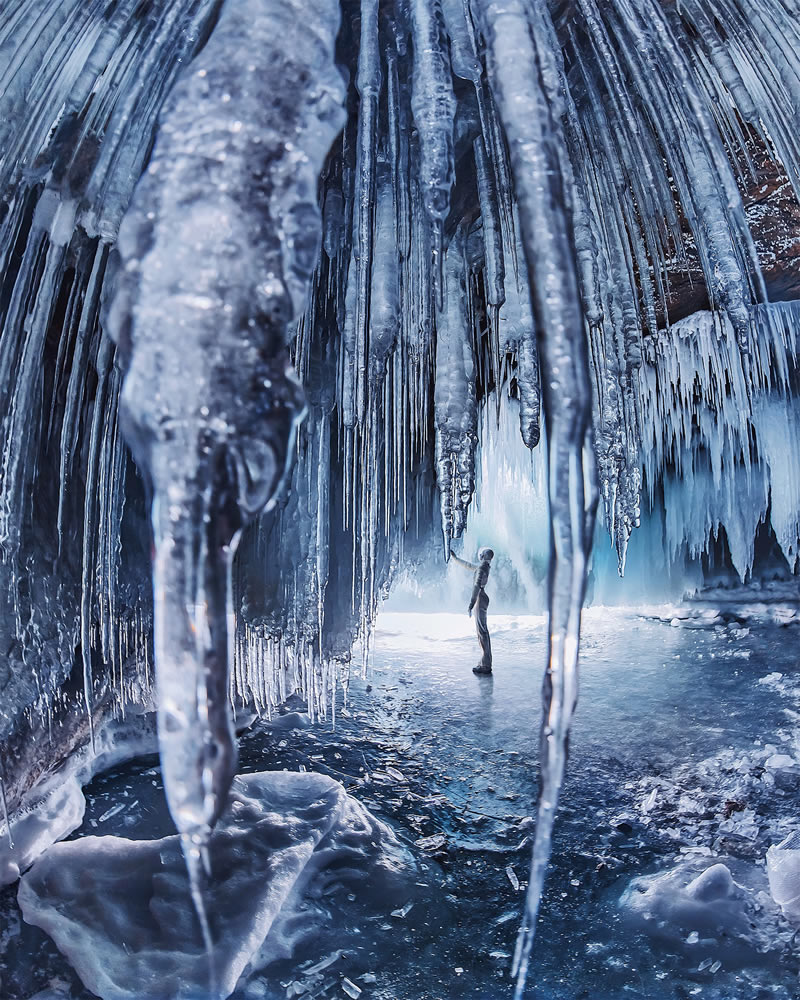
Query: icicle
[
  {"x": 492, "y": 229},
  {"x": 434, "y": 106},
  {"x": 524, "y": 77},
  {"x": 6, "y": 817},
  {"x": 368, "y": 83},
  {"x": 529, "y": 388},
  {"x": 454, "y": 400},
  {"x": 462, "y": 50},
  {"x": 209, "y": 406},
  {"x": 384, "y": 297}
]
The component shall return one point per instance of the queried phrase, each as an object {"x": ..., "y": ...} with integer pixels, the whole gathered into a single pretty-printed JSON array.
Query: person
[{"x": 481, "y": 598}]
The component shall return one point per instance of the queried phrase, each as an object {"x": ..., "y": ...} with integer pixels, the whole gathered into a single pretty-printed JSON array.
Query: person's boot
[{"x": 481, "y": 669}]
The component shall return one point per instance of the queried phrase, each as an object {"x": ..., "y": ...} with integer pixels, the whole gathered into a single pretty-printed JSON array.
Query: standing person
[{"x": 481, "y": 598}]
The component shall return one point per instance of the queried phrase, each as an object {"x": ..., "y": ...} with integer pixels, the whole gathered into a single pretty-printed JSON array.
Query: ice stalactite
[
  {"x": 517, "y": 337},
  {"x": 454, "y": 401},
  {"x": 216, "y": 252},
  {"x": 433, "y": 105},
  {"x": 748, "y": 57},
  {"x": 368, "y": 83},
  {"x": 524, "y": 75},
  {"x": 718, "y": 449}
]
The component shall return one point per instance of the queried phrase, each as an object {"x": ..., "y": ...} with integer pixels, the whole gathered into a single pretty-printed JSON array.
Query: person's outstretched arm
[{"x": 463, "y": 562}]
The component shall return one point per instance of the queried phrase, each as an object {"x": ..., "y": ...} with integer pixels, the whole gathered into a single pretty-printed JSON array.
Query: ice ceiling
[{"x": 420, "y": 207}]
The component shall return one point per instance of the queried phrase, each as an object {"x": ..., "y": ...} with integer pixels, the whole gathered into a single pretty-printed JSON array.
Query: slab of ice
[
  {"x": 783, "y": 871},
  {"x": 288, "y": 721},
  {"x": 121, "y": 913},
  {"x": 55, "y": 806}
]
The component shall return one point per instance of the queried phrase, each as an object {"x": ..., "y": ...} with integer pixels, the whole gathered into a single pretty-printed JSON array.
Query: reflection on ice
[{"x": 410, "y": 629}]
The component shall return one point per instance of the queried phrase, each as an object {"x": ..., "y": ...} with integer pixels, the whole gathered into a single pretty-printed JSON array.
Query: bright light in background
[{"x": 509, "y": 513}]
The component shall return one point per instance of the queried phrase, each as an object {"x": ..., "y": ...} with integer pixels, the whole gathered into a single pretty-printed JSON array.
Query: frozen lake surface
[{"x": 678, "y": 761}]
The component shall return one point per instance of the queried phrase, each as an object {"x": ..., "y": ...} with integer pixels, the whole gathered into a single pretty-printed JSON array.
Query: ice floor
[{"x": 678, "y": 760}]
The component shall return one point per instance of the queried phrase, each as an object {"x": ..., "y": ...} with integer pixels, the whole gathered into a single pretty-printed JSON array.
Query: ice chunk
[
  {"x": 55, "y": 806},
  {"x": 686, "y": 909},
  {"x": 434, "y": 843},
  {"x": 289, "y": 721},
  {"x": 783, "y": 871},
  {"x": 120, "y": 910},
  {"x": 779, "y": 762}
]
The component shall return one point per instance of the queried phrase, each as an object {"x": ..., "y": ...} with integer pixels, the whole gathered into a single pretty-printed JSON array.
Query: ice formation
[
  {"x": 56, "y": 807},
  {"x": 701, "y": 912},
  {"x": 284, "y": 836},
  {"x": 783, "y": 870},
  {"x": 216, "y": 250},
  {"x": 561, "y": 202}
]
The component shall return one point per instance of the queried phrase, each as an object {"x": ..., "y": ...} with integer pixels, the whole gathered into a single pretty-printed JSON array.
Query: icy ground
[{"x": 683, "y": 754}]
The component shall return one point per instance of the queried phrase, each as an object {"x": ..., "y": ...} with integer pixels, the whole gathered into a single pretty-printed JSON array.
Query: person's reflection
[{"x": 485, "y": 703}]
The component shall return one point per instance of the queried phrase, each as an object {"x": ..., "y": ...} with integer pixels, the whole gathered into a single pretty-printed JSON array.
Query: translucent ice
[
  {"x": 216, "y": 250},
  {"x": 121, "y": 913},
  {"x": 783, "y": 870}
]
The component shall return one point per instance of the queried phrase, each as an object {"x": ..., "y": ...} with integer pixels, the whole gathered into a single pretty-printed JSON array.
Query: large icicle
[
  {"x": 434, "y": 106},
  {"x": 368, "y": 83},
  {"x": 80, "y": 89},
  {"x": 217, "y": 250},
  {"x": 454, "y": 398},
  {"x": 525, "y": 80}
]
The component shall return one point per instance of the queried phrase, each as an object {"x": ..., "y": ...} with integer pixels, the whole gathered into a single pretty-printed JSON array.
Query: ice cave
[{"x": 342, "y": 343}]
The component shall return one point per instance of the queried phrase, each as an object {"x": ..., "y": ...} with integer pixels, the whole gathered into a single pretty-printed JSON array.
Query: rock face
[
  {"x": 121, "y": 913},
  {"x": 773, "y": 214}
]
